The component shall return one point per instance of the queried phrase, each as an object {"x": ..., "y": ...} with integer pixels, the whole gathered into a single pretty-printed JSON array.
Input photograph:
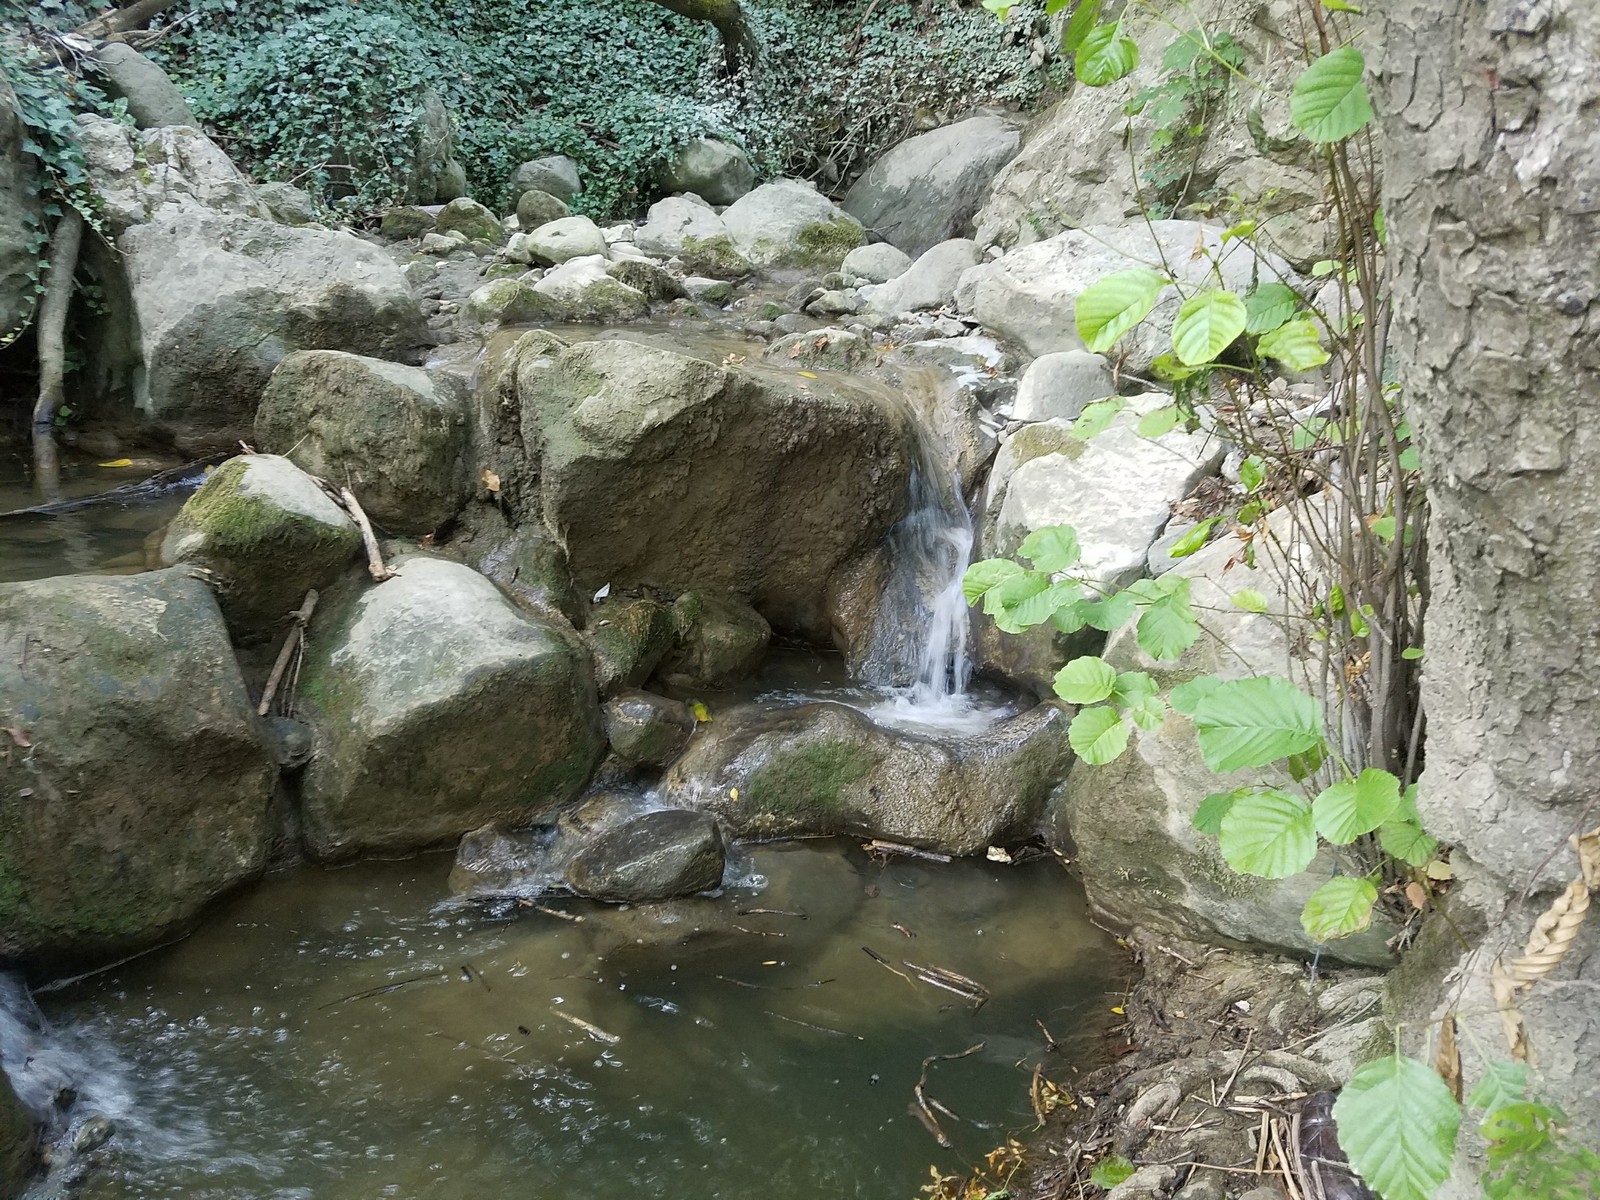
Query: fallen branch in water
[
  {"x": 877, "y": 846},
  {"x": 594, "y": 1031},
  {"x": 293, "y": 642},
  {"x": 887, "y": 965},
  {"x": 968, "y": 989},
  {"x": 809, "y": 1025},
  {"x": 384, "y": 989},
  {"x": 924, "y": 1108}
]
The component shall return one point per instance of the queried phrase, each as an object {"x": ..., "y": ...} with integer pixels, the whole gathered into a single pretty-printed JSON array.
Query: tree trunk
[
  {"x": 1492, "y": 199},
  {"x": 120, "y": 20},
  {"x": 739, "y": 44},
  {"x": 51, "y": 332}
]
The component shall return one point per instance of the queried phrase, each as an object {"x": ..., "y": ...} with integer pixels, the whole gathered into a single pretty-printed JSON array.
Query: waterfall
[{"x": 919, "y": 636}]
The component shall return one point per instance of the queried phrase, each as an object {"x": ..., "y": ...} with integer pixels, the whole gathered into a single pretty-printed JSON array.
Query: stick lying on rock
[
  {"x": 292, "y": 642},
  {"x": 346, "y": 500}
]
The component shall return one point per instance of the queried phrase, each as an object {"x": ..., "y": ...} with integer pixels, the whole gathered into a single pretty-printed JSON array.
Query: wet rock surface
[{"x": 655, "y": 856}]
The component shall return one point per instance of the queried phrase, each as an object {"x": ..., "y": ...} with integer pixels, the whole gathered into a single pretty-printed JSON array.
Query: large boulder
[
  {"x": 826, "y": 769},
  {"x": 1115, "y": 489},
  {"x": 153, "y": 99},
  {"x": 718, "y": 642},
  {"x": 1141, "y": 859},
  {"x": 654, "y": 856},
  {"x": 439, "y": 707},
  {"x": 668, "y": 471},
  {"x": 787, "y": 223},
  {"x": 715, "y": 170},
  {"x": 930, "y": 282},
  {"x": 686, "y": 228},
  {"x": 436, "y": 176},
  {"x": 220, "y": 300},
  {"x": 536, "y": 208},
  {"x": 556, "y": 175},
  {"x": 505, "y": 302},
  {"x": 21, "y": 214},
  {"x": 1029, "y": 295},
  {"x": 136, "y": 786},
  {"x": 139, "y": 175},
  {"x": 395, "y": 435},
  {"x": 926, "y": 189},
  {"x": 627, "y": 637},
  {"x": 1081, "y": 158},
  {"x": 1060, "y": 386},
  {"x": 266, "y": 534},
  {"x": 471, "y": 220},
  {"x": 647, "y": 730},
  {"x": 877, "y": 263}
]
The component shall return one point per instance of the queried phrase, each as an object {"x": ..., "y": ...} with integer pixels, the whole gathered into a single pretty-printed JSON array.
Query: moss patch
[
  {"x": 827, "y": 242},
  {"x": 810, "y": 779},
  {"x": 714, "y": 256}
]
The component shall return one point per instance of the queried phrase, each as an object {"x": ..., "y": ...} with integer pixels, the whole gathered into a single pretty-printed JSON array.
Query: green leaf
[
  {"x": 1186, "y": 697},
  {"x": 1163, "y": 420},
  {"x": 1098, "y": 735},
  {"x": 1250, "y": 600},
  {"x": 1195, "y": 540},
  {"x": 1268, "y": 306},
  {"x": 998, "y": 7},
  {"x": 1207, "y": 325},
  {"x": 1051, "y": 549},
  {"x": 1329, "y": 100},
  {"x": 1268, "y": 832},
  {"x": 1083, "y": 20},
  {"x": 1338, "y": 908},
  {"x": 1105, "y": 56},
  {"x": 1252, "y": 722},
  {"x": 1351, "y": 807},
  {"x": 1086, "y": 680},
  {"x": 1167, "y": 367},
  {"x": 1297, "y": 345},
  {"x": 1252, "y": 472},
  {"x": 1397, "y": 1124},
  {"x": 1340, "y": 6},
  {"x": 1109, "y": 613},
  {"x": 1096, "y": 418},
  {"x": 981, "y": 576},
  {"x": 1503, "y": 1084},
  {"x": 1411, "y": 653},
  {"x": 1410, "y": 460},
  {"x": 1208, "y": 817},
  {"x": 1406, "y": 841},
  {"x": 1167, "y": 625},
  {"x": 1133, "y": 688},
  {"x": 1110, "y": 1171},
  {"x": 1039, "y": 607},
  {"x": 1108, "y": 308}
]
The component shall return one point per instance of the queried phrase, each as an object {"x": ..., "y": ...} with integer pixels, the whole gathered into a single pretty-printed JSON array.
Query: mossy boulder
[
  {"x": 19, "y": 1142},
  {"x": 666, "y": 471},
  {"x": 643, "y": 275},
  {"x": 526, "y": 563},
  {"x": 788, "y": 223},
  {"x": 266, "y": 533},
  {"x": 717, "y": 641},
  {"x": 135, "y": 783},
  {"x": 827, "y": 769},
  {"x": 536, "y": 208},
  {"x": 395, "y": 435},
  {"x": 407, "y": 222},
  {"x": 439, "y": 707},
  {"x": 715, "y": 256},
  {"x": 582, "y": 289},
  {"x": 832, "y": 349},
  {"x": 554, "y": 242},
  {"x": 506, "y": 302},
  {"x": 471, "y": 220},
  {"x": 645, "y": 729},
  {"x": 627, "y": 637}
]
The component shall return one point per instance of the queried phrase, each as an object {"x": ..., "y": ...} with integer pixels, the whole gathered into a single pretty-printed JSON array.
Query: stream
[{"x": 360, "y": 1032}]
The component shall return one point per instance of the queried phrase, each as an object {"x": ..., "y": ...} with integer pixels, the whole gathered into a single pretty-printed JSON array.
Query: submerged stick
[
  {"x": 292, "y": 641},
  {"x": 383, "y": 989},
  {"x": 878, "y": 846},
  {"x": 594, "y": 1031},
  {"x": 887, "y": 965},
  {"x": 924, "y": 1108},
  {"x": 809, "y": 1025}
]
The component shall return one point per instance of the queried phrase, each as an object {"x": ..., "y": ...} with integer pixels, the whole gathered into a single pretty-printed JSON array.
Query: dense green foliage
[{"x": 299, "y": 85}]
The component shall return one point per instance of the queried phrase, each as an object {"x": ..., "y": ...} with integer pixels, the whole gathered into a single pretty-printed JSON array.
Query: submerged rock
[
  {"x": 19, "y": 1142},
  {"x": 496, "y": 861},
  {"x": 787, "y": 223},
  {"x": 666, "y": 471},
  {"x": 647, "y": 730},
  {"x": 438, "y": 707},
  {"x": 827, "y": 769},
  {"x": 137, "y": 785},
  {"x": 928, "y": 187},
  {"x": 655, "y": 856},
  {"x": 395, "y": 435},
  {"x": 265, "y": 533}
]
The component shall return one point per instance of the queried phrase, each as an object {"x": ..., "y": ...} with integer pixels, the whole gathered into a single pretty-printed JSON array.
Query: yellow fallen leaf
[
  {"x": 1120, "y": 1011},
  {"x": 491, "y": 480},
  {"x": 118, "y": 462},
  {"x": 701, "y": 712},
  {"x": 809, "y": 374},
  {"x": 733, "y": 793},
  {"x": 1440, "y": 870}
]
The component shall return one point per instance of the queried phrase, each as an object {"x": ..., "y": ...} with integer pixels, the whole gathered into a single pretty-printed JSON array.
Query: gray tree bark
[{"x": 1490, "y": 113}]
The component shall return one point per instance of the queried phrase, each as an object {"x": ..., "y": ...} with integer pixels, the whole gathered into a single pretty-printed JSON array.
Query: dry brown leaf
[
  {"x": 491, "y": 480},
  {"x": 1417, "y": 894},
  {"x": 1448, "y": 1060},
  {"x": 19, "y": 736}
]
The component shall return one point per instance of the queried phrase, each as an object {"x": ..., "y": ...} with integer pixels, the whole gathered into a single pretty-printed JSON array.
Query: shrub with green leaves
[{"x": 299, "y": 86}]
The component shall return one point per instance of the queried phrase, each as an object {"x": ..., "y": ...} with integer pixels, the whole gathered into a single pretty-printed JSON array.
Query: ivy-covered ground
[{"x": 298, "y": 84}]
